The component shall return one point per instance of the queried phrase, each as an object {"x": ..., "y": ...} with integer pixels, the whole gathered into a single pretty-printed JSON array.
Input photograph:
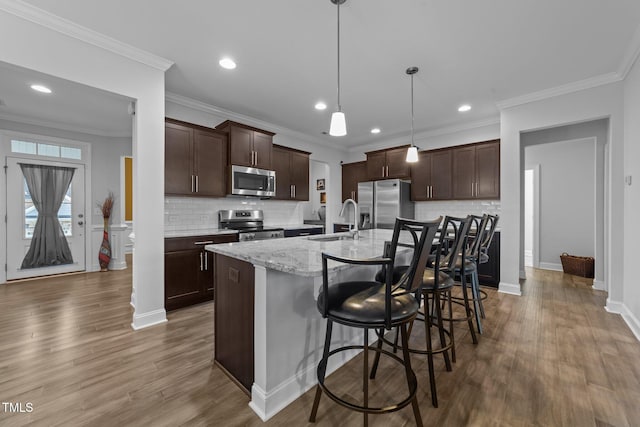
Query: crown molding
[
  {"x": 576, "y": 86},
  {"x": 631, "y": 56},
  {"x": 231, "y": 115},
  {"x": 71, "y": 29},
  {"x": 62, "y": 126},
  {"x": 429, "y": 133}
]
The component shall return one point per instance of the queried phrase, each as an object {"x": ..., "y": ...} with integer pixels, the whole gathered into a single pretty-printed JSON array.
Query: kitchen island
[{"x": 268, "y": 331}]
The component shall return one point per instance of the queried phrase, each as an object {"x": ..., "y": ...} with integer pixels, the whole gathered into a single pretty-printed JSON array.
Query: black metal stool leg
[
  {"x": 322, "y": 371},
  {"x": 365, "y": 375},
  {"x": 427, "y": 332},
  {"x": 468, "y": 311},
  {"x": 453, "y": 341},
  {"x": 443, "y": 343},
  {"x": 376, "y": 359},
  {"x": 409, "y": 372}
]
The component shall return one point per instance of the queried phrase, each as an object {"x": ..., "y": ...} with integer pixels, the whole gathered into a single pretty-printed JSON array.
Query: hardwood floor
[{"x": 551, "y": 357}]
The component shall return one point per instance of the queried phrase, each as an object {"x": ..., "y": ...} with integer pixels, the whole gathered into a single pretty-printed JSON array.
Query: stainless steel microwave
[{"x": 252, "y": 181}]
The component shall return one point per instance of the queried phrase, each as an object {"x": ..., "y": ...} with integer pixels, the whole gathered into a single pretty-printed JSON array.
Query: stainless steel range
[{"x": 249, "y": 223}]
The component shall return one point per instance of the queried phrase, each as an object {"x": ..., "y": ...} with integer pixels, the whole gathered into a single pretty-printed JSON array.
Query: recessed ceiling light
[
  {"x": 321, "y": 106},
  {"x": 464, "y": 107},
  {"x": 227, "y": 63},
  {"x": 375, "y": 130},
  {"x": 41, "y": 88}
]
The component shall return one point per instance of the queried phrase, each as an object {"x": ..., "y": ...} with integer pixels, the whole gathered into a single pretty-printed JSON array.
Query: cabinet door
[
  {"x": 262, "y": 146},
  {"x": 182, "y": 285},
  {"x": 300, "y": 175},
  {"x": 441, "y": 177},
  {"x": 178, "y": 154},
  {"x": 240, "y": 146},
  {"x": 210, "y": 163},
  {"x": 352, "y": 174},
  {"x": 281, "y": 161},
  {"x": 488, "y": 170},
  {"x": 397, "y": 166},
  {"x": 207, "y": 275},
  {"x": 464, "y": 172},
  {"x": 376, "y": 165},
  {"x": 421, "y": 177}
]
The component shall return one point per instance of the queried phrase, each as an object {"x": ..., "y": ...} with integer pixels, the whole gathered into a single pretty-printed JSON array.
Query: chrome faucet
[{"x": 353, "y": 232}]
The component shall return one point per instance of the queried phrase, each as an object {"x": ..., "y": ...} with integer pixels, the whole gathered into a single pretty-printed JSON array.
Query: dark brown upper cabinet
[
  {"x": 292, "y": 173},
  {"x": 476, "y": 171},
  {"x": 431, "y": 177},
  {"x": 352, "y": 174},
  {"x": 388, "y": 163},
  {"x": 248, "y": 146},
  {"x": 195, "y": 160}
]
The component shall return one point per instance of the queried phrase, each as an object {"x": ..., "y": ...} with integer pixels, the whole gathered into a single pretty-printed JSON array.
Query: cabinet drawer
[
  {"x": 173, "y": 244},
  {"x": 302, "y": 232}
]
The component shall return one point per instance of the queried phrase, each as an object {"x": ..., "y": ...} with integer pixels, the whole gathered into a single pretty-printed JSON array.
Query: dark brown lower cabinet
[
  {"x": 189, "y": 269},
  {"x": 489, "y": 272},
  {"x": 233, "y": 324}
]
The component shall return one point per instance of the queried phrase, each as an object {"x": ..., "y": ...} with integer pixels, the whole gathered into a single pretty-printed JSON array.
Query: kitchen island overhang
[{"x": 278, "y": 282}]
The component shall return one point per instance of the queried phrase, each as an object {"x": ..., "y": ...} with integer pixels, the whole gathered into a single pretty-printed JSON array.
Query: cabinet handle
[
  {"x": 256, "y": 162},
  {"x": 387, "y": 171},
  {"x": 197, "y": 186},
  {"x": 204, "y": 242},
  {"x": 206, "y": 263},
  {"x": 353, "y": 195},
  {"x": 431, "y": 192},
  {"x": 305, "y": 234},
  {"x": 200, "y": 261},
  {"x": 192, "y": 184},
  {"x": 472, "y": 189},
  {"x": 477, "y": 189},
  {"x": 383, "y": 171},
  {"x": 291, "y": 190},
  {"x": 294, "y": 191}
]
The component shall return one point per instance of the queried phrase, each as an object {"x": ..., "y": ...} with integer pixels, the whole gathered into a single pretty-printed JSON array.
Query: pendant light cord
[
  {"x": 412, "y": 144},
  {"x": 339, "y": 106}
]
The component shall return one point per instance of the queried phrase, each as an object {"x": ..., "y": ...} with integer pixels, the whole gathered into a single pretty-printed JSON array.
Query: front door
[{"x": 22, "y": 216}]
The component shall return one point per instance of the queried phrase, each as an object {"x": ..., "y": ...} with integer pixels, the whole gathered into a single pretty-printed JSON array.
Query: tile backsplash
[
  {"x": 458, "y": 208},
  {"x": 193, "y": 213}
]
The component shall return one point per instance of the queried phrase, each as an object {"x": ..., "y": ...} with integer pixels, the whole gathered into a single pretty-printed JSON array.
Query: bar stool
[
  {"x": 368, "y": 304},
  {"x": 456, "y": 261},
  {"x": 435, "y": 291}
]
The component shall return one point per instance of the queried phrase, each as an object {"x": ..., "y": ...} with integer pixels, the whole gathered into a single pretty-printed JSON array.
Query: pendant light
[
  {"x": 412, "y": 152},
  {"x": 338, "y": 125}
]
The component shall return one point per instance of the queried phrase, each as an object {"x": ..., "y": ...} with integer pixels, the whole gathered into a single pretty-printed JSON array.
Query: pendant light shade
[
  {"x": 338, "y": 125},
  {"x": 412, "y": 152}
]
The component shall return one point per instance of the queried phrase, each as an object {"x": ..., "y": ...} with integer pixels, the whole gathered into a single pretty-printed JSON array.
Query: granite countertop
[
  {"x": 302, "y": 256},
  {"x": 197, "y": 232}
]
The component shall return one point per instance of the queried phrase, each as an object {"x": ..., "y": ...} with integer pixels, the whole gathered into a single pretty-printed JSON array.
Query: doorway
[
  {"x": 22, "y": 216},
  {"x": 532, "y": 217}
]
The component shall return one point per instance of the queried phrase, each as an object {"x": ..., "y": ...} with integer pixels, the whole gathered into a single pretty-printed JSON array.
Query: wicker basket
[{"x": 578, "y": 265}]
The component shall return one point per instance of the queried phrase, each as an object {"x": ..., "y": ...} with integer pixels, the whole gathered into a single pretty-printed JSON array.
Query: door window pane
[{"x": 31, "y": 214}]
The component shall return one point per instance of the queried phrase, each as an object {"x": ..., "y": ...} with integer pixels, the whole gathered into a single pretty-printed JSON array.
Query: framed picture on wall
[{"x": 320, "y": 184}]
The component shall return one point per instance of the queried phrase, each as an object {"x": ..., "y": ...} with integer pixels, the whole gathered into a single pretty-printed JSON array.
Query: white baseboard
[
  {"x": 509, "y": 288},
  {"x": 151, "y": 318},
  {"x": 267, "y": 404},
  {"x": 599, "y": 285},
  {"x": 632, "y": 321},
  {"x": 551, "y": 266}
]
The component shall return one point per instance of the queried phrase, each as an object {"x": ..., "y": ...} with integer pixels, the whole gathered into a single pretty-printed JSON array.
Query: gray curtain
[{"x": 48, "y": 186}]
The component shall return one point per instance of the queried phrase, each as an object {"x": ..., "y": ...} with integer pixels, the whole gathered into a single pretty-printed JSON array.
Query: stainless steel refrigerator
[{"x": 381, "y": 202}]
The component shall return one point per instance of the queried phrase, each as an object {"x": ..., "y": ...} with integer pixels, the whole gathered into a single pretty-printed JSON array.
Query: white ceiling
[{"x": 477, "y": 52}]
